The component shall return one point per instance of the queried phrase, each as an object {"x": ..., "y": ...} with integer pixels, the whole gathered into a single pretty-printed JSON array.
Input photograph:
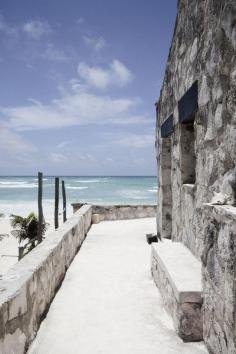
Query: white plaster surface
[
  {"x": 182, "y": 269},
  {"x": 108, "y": 302}
]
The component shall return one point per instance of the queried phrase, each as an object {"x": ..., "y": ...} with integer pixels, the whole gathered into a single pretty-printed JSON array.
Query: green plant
[{"x": 26, "y": 229}]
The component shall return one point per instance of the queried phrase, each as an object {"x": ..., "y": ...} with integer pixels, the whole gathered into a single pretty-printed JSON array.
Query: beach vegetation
[{"x": 25, "y": 229}]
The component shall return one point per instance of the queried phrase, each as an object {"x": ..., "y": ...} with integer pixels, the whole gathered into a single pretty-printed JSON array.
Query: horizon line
[{"x": 78, "y": 175}]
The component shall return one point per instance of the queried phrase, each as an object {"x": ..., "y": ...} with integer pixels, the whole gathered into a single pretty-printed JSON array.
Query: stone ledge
[
  {"x": 28, "y": 288},
  {"x": 221, "y": 211},
  {"x": 120, "y": 212},
  {"x": 182, "y": 269},
  {"x": 177, "y": 274}
]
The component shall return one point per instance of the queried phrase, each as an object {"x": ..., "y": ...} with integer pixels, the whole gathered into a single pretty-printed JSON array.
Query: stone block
[
  {"x": 96, "y": 218},
  {"x": 177, "y": 274}
]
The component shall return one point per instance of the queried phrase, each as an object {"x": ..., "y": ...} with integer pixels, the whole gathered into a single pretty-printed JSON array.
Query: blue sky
[{"x": 79, "y": 79}]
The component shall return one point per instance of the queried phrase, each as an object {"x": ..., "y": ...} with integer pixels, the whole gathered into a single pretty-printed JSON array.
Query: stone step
[{"x": 177, "y": 274}]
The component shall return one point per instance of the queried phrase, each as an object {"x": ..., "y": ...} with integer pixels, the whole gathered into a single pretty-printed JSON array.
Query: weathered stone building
[{"x": 196, "y": 153}]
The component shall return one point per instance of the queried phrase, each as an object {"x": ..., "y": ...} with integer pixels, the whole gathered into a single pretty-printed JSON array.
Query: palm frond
[{"x": 26, "y": 228}]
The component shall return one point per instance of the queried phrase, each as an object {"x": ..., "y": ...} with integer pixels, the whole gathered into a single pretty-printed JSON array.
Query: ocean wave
[
  {"x": 89, "y": 181},
  {"x": 138, "y": 197},
  {"x": 133, "y": 194},
  {"x": 152, "y": 190},
  {"x": 14, "y": 185},
  {"x": 12, "y": 182},
  {"x": 70, "y": 187},
  {"x": 44, "y": 179}
]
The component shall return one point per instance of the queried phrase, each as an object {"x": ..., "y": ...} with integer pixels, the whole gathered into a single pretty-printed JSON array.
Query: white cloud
[
  {"x": 117, "y": 74},
  {"x": 15, "y": 149},
  {"x": 63, "y": 144},
  {"x": 69, "y": 157},
  {"x": 6, "y": 28},
  {"x": 95, "y": 43},
  {"x": 73, "y": 108},
  {"x": 36, "y": 29},
  {"x": 33, "y": 28},
  {"x": 58, "y": 158},
  {"x": 80, "y": 20},
  {"x": 54, "y": 54},
  {"x": 12, "y": 142},
  {"x": 76, "y": 85},
  {"x": 32, "y": 100},
  {"x": 109, "y": 160},
  {"x": 136, "y": 141}
]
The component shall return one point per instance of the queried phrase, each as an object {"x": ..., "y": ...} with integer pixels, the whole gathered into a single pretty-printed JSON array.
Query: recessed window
[
  {"x": 187, "y": 154},
  {"x": 188, "y": 107}
]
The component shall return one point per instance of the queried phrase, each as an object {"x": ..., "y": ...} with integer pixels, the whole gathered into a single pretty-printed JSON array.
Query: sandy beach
[{"x": 9, "y": 244}]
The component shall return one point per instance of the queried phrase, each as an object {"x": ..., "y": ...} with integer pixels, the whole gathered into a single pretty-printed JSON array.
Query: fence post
[
  {"x": 40, "y": 207},
  {"x": 56, "y": 202},
  {"x": 20, "y": 252},
  {"x": 64, "y": 200}
]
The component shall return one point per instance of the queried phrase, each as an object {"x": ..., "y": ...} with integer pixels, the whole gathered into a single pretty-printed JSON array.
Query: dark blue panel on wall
[
  {"x": 167, "y": 127},
  {"x": 188, "y": 104}
]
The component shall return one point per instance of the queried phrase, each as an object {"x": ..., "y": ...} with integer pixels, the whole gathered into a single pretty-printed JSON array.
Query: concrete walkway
[{"x": 108, "y": 303}]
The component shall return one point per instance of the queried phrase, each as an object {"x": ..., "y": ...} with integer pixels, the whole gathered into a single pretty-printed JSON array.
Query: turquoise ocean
[{"x": 18, "y": 195}]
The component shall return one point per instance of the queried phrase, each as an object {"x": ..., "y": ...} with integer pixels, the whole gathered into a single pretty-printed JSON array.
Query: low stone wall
[
  {"x": 219, "y": 278},
  {"x": 121, "y": 212},
  {"x": 183, "y": 305},
  {"x": 28, "y": 288}
]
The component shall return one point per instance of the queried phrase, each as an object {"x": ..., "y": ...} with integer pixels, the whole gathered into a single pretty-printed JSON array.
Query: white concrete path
[{"x": 108, "y": 303}]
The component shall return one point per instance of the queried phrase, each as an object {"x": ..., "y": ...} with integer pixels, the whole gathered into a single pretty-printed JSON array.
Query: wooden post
[
  {"x": 20, "y": 252},
  {"x": 40, "y": 207},
  {"x": 56, "y": 202},
  {"x": 64, "y": 200}
]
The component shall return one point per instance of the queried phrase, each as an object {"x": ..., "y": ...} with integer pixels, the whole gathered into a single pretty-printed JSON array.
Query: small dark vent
[
  {"x": 188, "y": 104},
  {"x": 167, "y": 127}
]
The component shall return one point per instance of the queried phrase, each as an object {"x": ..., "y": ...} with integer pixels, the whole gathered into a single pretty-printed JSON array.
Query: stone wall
[
  {"x": 203, "y": 49},
  {"x": 219, "y": 278},
  {"x": 121, "y": 212},
  {"x": 203, "y": 155},
  {"x": 28, "y": 288}
]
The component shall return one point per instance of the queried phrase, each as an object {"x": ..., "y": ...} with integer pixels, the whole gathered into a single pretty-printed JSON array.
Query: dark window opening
[
  {"x": 167, "y": 127},
  {"x": 188, "y": 105},
  {"x": 188, "y": 157}
]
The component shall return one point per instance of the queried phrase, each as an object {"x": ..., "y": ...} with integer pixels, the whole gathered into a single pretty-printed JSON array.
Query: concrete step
[{"x": 177, "y": 274}]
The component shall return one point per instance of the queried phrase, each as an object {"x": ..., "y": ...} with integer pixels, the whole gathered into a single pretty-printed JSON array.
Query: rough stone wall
[
  {"x": 219, "y": 278},
  {"x": 204, "y": 50},
  {"x": 28, "y": 288}
]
